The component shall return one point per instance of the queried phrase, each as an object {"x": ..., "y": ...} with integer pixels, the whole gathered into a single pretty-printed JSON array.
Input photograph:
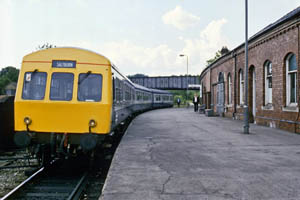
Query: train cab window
[
  {"x": 89, "y": 87},
  {"x": 34, "y": 85},
  {"x": 61, "y": 86}
]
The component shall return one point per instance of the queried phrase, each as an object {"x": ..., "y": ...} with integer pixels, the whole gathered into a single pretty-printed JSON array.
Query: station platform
[{"x": 177, "y": 154}]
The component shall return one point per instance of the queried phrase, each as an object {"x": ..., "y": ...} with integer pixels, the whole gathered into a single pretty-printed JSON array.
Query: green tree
[
  {"x": 219, "y": 53},
  {"x": 46, "y": 46},
  {"x": 7, "y": 75},
  {"x": 182, "y": 95}
]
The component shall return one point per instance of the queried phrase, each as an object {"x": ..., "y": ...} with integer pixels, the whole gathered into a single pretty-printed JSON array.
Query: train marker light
[
  {"x": 92, "y": 123},
  {"x": 27, "y": 121}
]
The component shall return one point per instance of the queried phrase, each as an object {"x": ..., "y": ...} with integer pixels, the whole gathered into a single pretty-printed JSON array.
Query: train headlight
[
  {"x": 27, "y": 121},
  {"x": 92, "y": 123}
]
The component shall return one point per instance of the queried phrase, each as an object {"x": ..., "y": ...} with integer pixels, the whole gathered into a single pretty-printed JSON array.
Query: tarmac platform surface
[{"x": 172, "y": 154}]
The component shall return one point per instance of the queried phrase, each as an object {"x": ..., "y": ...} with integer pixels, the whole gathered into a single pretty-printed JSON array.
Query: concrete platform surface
[{"x": 172, "y": 154}]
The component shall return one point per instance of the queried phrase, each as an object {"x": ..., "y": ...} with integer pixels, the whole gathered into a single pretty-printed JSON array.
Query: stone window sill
[
  {"x": 240, "y": 106},
  {"x": 267, "y": 107},
  {"x": 290, "y": 108}
]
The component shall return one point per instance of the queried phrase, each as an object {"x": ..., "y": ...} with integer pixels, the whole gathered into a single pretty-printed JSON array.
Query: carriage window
[
  {"x": 145, "y": 97},
  {"x": 139, "y": 96},
  {"x": 157, "y": 97},
  {"x": 34, "y": 85},
  {"x": 89, "y": 87},
  {"x": 61, "y": 86},
  {"x": 127, "y": 93}
]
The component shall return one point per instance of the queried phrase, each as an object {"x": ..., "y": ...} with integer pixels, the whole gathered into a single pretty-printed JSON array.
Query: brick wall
[{"x": 274, "y": 46}]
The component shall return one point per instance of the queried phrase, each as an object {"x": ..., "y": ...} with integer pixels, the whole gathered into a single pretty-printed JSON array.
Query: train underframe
[{"x": 48, "y": 146}]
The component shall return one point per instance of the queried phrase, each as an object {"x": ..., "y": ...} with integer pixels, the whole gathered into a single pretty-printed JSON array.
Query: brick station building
[{"x": 273, "y": 93}]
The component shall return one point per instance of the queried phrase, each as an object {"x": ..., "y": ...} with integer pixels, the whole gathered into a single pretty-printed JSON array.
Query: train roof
[
  {"x": 161, "y": 91},
  {"x": 66, "y": 53},
  {"x": 137, "y": 86},
  {"x": 50, "y": 54},
  {"x": 150, "y": 89}
]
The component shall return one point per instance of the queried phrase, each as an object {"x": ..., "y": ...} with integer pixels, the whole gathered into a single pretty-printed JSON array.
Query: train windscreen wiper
[
  {"x": 86, "y": 75},
  {"x": 34, "y": 72}
]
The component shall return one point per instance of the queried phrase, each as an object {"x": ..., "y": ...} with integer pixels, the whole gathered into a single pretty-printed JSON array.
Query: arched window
[
  {"x": 241, "y": 86},
  {"x": 268, "y": 82},
  {"x": 221, "y": 77},
  {"x": 291, "y": 80},
  {"x": 229, "y": 85}
]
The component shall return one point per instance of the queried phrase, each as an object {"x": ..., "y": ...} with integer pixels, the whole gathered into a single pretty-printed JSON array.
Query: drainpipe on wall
[
  {"x": 298, "y": 102},
  {"x": 211, "y": 91},
  {"x": 234, "y": 89}
]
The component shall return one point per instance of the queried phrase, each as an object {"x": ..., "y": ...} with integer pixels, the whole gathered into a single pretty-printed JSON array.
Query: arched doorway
[
  {"x": 252, "y": 94},
  {"x": 220, "y": 94}
]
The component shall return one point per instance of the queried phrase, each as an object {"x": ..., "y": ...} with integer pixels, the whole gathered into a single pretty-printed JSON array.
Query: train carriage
[
  {"x": 162, "y": 99},
  {"x": 71, "y": 99}
]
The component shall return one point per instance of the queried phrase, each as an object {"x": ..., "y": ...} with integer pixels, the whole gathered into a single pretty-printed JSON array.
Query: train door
[
  {"x": 220, "y": 94},
  {"x": 114, "y": 99}
]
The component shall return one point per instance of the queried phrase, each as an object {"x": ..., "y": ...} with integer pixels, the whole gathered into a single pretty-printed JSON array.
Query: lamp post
[
  {"x": 187, "y": 72},
  {"x": 246, "y": 110}
]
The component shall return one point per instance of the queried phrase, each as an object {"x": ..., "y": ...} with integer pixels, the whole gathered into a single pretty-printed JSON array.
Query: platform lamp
[{"x": 187, "y": 72}]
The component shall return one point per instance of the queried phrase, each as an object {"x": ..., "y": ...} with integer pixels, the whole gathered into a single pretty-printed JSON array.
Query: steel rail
[
  {"x": 22, "y": 184},
  {"x": 79, "y": 187}
]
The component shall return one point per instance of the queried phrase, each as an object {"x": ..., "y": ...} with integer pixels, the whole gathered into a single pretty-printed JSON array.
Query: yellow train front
[{"x": 64, "y": 98}]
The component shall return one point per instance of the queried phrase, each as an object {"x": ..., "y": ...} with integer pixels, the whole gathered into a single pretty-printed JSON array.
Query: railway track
[
  {"x": 69, "y": 179},
  {"x": 51, "y": 183}
]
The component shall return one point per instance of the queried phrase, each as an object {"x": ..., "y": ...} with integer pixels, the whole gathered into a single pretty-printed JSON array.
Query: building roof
[{"x": 293, "y": 14}]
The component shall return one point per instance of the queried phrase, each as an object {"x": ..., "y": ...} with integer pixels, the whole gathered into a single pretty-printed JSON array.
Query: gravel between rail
[{"x": 11, "y": 177}]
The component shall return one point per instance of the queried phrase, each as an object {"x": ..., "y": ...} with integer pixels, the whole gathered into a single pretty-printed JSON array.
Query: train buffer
[{"x": 178, "y": 154}]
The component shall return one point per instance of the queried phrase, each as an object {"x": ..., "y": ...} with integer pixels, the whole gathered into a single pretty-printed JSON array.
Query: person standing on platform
[
  {"x": 178, "y": 102},
  {"x": 196, "y": 102}
]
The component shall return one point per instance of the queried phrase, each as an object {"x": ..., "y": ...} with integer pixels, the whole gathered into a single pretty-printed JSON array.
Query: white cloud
[
  {"x": 34, "y": 1},
  {"x": 204, "y": 47},
  {"x": 132, "y": 58},
  {"x": 180, "y": 18}
]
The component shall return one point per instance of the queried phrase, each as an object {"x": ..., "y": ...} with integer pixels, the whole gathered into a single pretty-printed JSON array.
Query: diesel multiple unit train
[{"x": 70, "y": 99}]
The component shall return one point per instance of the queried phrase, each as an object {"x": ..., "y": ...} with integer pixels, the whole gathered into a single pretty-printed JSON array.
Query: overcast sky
[{"x": 138, "y": 36}]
